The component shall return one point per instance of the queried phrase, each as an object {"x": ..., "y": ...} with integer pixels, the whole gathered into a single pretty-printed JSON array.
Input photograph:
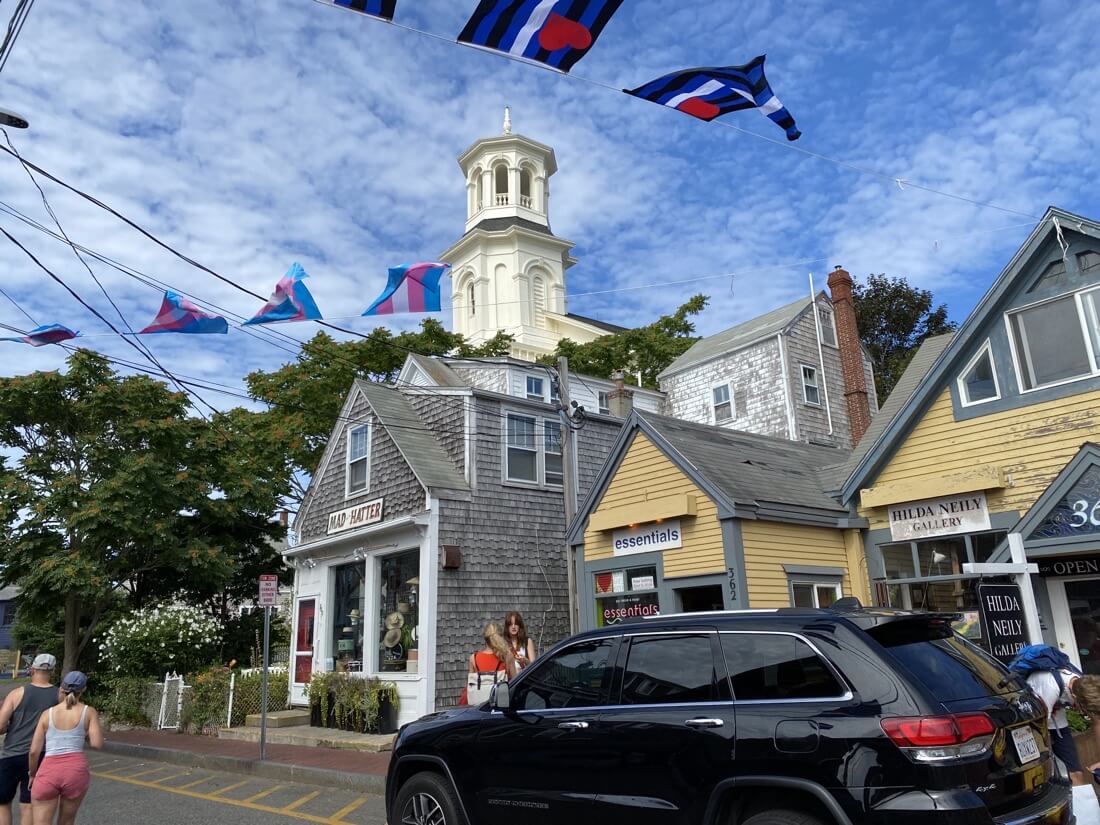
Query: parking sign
[{"x": 269, "y": 590}]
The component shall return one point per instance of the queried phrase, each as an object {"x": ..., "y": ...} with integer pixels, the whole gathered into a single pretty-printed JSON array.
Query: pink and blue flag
[
  {"x": 46, "y": 334},
  {"x": 177, "y": 314},
  {"x": 291, "y": 301},
  {"x": 374, "y": 8},
  {"x": 411, "y": 288},
  {"x": 555, "y": 32}
]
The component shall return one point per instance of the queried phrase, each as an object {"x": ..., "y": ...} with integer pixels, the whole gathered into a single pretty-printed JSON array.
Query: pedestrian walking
[
  {"x": 18, "y": 716},
  {"x": 523, "y": 648},
  {"x": 59, "y": 771},
  {"x": 491, "y": 664}
]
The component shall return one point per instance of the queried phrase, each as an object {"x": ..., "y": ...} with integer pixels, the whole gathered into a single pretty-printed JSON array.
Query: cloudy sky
[{"x": 250, "y": 135}]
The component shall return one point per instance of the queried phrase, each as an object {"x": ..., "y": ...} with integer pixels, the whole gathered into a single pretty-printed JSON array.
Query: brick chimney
[
  {"x": 620, "y": 401},
  {"x": 851, "y": 354}
]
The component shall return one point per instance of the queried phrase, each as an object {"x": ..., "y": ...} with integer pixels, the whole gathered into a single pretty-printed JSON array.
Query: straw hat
[
  {"x": 392, "y": 637},
  {"x": 394, "y": 621}
]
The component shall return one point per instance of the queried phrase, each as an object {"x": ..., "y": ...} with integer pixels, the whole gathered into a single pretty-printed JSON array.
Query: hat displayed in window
[
  {"x": 395, "y": 620},
  {"x": 392, "y": 637}
]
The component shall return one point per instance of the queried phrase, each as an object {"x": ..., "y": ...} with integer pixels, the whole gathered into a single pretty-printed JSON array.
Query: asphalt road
[{"x": 131, "y": 792}]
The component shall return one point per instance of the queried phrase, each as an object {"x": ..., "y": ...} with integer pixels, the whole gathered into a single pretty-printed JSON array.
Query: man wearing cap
[{"x": 18, "y": 716}]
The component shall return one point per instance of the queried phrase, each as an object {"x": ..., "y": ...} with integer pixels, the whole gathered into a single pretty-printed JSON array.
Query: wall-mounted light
[{"x": 310, "y": 563}]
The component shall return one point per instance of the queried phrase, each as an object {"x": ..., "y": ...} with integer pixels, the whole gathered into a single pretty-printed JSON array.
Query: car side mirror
[{"x": 501, "y": 697}]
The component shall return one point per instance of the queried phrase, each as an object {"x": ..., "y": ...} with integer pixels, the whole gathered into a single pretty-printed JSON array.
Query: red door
[{"x": 303, "y": 643}]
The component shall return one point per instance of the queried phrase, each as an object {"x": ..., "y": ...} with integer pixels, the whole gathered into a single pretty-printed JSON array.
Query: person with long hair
[
  {"x": 495, "y": 656},
  {"x": 59, "y": 776},
  {"x": 522, "y": 647}
]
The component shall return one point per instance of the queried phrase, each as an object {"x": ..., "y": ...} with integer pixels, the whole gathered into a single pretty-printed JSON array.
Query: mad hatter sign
[{"x": 939, "y": 517}]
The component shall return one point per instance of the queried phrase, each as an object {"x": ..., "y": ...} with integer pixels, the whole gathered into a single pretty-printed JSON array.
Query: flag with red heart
[{"x": 555, "y": 32}]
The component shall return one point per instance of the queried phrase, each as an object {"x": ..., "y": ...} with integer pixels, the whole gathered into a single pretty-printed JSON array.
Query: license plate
[{"x": 1026, "y": 746}]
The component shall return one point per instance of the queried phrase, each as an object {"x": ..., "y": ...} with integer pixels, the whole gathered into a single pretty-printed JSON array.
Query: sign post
[{"x": 269, "y": 597}]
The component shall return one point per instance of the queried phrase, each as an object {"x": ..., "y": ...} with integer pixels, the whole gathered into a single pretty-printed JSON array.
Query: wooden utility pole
[{"x": 569, "y": 482}]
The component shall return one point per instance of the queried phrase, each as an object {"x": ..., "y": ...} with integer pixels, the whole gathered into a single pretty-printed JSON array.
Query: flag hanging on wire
[
  {"x": 291, "y": 301},
  {"x": 711, "y": 92},
  {"x": 555, "y": 32},
  {"x": 46, "y": 334},
  {"x": 177, "y": 314},
  {"x": 374, "y": 8},
  {"x": 411, "y": 288}
]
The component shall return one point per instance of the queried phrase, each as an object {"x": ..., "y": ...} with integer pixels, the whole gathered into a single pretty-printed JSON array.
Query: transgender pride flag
[
  {"x": 290, "y": 302},
  {"x": 411, "y": 288},
  {"x": 46, "y": 334},
  {"x": 177, "y": 314}
]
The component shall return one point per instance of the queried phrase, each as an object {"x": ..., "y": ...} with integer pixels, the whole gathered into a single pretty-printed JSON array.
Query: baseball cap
[
  {"x": 74, "y": 681},
  {"x": 44, "y": 661}
]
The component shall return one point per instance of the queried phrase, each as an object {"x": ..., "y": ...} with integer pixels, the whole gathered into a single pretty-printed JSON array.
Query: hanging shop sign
[
  {"x": 939, "y": 517},
  {"x": 647, "y": 538},
  {"x": 369, "y": 512},
  {"x": 1002, "y": 612}
]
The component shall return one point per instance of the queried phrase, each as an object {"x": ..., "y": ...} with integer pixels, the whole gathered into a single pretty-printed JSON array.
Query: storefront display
[
  {"x": 626, "y": 595},
  {"x": 347, "y": 617},
  {"x": 399, "y": 612}
]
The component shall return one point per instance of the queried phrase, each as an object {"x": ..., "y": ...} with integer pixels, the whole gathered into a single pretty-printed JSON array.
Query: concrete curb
[{"x": 361, "y": 782}]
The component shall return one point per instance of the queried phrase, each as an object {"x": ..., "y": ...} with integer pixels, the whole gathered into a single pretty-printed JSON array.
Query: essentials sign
[
  {"x": 939, "y": 517},
  {"x": 644, "y": 539},
  {"x": 352, "y": 517}
]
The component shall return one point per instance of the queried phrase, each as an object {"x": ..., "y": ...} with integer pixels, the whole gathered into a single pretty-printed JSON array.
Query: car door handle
[
  {"x": 704, "y": 723},
  {"x": 573, "y": 725}
]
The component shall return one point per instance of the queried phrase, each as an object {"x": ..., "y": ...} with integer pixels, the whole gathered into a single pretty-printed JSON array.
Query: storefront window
[
  {"x": 983, "y": 544},
  {"x": 399, "y": 612},
  {"x": 347, "y": 617},
  {"x": 941, "y": 557},
  {"x": 898, "y": 560},
  {"x": 626, "y": 595},
  {"x": 808, "y": 594}
]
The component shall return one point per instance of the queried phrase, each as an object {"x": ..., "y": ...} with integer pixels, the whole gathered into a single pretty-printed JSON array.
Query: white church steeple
[{"x": 508, "y": 270}]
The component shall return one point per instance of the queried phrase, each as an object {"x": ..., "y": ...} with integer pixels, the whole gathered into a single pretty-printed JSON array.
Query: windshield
[{"x": 948, "y": 665}]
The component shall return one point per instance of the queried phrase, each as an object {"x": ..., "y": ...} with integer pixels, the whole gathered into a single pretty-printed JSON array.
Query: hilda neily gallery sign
[
  {"x": 939, "y": 517},
  {"x": 1002, "y": 612}
]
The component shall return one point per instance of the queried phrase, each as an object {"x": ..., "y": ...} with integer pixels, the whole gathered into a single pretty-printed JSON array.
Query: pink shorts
[{"x": 65, "y": 775}]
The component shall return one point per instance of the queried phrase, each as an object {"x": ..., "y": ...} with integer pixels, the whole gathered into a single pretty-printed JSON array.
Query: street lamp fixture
[{"x": 9, "y": 118}]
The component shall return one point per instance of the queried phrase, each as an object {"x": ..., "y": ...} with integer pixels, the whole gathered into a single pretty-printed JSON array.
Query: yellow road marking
[
  {"x": 298, "y": 803},
  {"x": 347, "y": 809},
  {"x": 184, "y": 787},
  {"x": 221, "y": 800},
  {"x": 145, "y": 773},
  {"x": 262, "y": 794},
  {"x": 170, "y": 778},
  {"x": 229, "y": 788}
]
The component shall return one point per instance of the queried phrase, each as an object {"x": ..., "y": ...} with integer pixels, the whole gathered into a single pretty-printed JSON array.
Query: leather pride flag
[
  {"x": 375, "y": 8},
  {"x": 555, "y": 32}
]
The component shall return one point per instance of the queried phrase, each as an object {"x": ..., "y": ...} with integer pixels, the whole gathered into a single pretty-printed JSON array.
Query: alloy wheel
[{"x": 423, "y": 809}]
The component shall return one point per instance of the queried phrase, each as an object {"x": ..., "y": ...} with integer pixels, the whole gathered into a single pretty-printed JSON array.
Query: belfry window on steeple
[
  {"x": 470, "y": 299},
  {"x": 500, "y": 185},
  {"x": 525, "y": 188}
]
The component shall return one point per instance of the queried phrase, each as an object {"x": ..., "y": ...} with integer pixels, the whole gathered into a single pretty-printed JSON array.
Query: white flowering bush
[{"x": 159, "y": 639}]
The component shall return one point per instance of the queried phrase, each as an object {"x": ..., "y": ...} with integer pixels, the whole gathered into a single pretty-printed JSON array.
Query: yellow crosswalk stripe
[
  {"x": 262, "y": 794},
  {"x": 229, "y": 788},
  {"x": 347, "y": 809},
  {"x": 191, "y": 784},
  {"x": 300, "y": 802},
  {"x": 170, "y": 778}
]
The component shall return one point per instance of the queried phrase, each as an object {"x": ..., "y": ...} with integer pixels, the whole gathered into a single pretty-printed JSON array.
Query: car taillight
[{"x": 940, "y": 738}]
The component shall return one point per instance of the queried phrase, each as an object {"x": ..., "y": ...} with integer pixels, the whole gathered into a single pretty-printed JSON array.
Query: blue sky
[{"x": 251, "y": 135}]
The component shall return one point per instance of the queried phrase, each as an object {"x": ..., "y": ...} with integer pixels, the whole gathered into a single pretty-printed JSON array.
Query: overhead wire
[{"x": 15, "y": 28}]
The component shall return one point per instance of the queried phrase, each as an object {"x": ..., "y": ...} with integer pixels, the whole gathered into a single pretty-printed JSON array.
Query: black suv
[{"x": 783, "y": 717}]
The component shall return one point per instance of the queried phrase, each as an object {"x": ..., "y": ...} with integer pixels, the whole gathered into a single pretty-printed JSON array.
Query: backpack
[{"x": 1035, "y": 658}]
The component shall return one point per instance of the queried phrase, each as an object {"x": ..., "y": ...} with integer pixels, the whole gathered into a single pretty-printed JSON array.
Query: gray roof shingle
[
  {"x": 418, "y": 445},
  {"x": 437, "y": 370}
]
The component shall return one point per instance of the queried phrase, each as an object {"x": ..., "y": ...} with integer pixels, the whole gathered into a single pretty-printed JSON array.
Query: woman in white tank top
[{"x": 58, "y": 769}]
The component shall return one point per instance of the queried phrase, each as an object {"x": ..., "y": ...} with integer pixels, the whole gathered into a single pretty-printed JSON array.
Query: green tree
[
  {"x": 894, "y": 318},
  {"x": 114, "y": 489},
  {"x": 305, "y": 396},
  {"x": 648, "y": 350}
]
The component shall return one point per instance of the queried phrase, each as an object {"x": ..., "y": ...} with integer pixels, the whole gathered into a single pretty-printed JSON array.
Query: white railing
[
  {"x": 502, "y": 200},
  {"x": 525, "y": 201}
]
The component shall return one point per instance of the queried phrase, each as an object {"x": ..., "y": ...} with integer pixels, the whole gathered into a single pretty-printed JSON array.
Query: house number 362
[{"x": 1082, "y": 515}]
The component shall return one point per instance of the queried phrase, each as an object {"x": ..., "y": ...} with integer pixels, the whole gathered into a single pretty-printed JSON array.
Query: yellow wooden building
[
  {"x": 691, "y": 517},
  {"x": 983, "y": 454}
]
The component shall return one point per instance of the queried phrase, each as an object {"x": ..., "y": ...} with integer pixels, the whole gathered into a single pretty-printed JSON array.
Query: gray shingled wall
[
  {"x": 391, "y": 479},
  {"x": 512, "y": 541},
  {"x": 812, "y": 421}
]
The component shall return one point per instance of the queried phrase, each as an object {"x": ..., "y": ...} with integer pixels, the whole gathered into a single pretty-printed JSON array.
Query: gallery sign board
[{"x": 945, "y": 516}]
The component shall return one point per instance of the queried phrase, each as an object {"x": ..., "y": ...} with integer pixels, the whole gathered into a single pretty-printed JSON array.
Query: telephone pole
[{"x": 569, "y": 482}]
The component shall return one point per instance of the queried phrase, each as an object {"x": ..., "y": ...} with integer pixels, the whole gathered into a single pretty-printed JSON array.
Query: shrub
[
  {"x": 209, "y": 700},
  {"x": 169, "y": 637},
  {"x": 124, "y": 699},
  {"x": 349, "y": 702}
]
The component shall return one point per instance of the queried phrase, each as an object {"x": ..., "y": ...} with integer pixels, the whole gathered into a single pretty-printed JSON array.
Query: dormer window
[
  {"x": 603, "y": 403},
  {"x": 828, "y": 326},
  {"x": 978, "y": 381},
  {"x": 535, "y": 389}
]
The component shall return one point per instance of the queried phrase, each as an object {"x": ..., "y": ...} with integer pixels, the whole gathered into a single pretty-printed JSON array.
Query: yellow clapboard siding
[
  {"x": 1031, "y": 444},
  {"x": 769, "y": 545},
  {"x": 647, "y": 473}
]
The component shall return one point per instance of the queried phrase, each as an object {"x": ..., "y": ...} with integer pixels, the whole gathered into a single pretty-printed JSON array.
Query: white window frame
[
  {"x": 603, "y": 403},
  {"x": 541, "y": 422},
  {"x": 730, "y": 400},
  {"x": 964, "y": 397},
  {"x": 546, "y": 424},
  {"x": 530, "y": 396},
  {"x": 835, "y": 343},
  {"x": 816, "y": 384},
  {"x": 836, "y": 588},
  {"x": 348, "y": 461},
  {"x": 1017, "y": 363}
]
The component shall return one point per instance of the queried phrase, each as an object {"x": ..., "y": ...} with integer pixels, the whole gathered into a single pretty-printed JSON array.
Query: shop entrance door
[
  {"x": 1083, "y": 603},
  {"x": 303, "y": 650}
]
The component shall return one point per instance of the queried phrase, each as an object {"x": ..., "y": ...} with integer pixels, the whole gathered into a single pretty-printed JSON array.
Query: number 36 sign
[{"x": 1077, "y": 514}]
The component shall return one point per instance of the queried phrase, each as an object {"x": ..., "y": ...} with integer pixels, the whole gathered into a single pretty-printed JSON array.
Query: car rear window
[{"x": 948, "y": 665}]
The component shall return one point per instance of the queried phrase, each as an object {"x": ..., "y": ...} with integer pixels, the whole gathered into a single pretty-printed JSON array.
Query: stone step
[
  {"x": 279, "y": 719},
  {"x": 314, "y": 738}
]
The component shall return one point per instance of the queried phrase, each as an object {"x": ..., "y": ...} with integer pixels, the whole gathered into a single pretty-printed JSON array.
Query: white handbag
[{"x": 480, "y": 685}]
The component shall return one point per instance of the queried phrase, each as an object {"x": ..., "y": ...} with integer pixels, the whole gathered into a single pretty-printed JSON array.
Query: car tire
[
  {"x": 783, "y": 817},
  {"x": 427, "y": 799}
]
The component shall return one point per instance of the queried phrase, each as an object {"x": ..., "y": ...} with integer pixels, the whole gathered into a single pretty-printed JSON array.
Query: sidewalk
[{"x": 364, "y": 772}]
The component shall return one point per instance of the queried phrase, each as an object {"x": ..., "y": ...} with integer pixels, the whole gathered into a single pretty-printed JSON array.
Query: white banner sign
[
  {"x": 647, "y": 538},
  {"x": 358, "y": 516},
  {"x": 945, "y": 516}
]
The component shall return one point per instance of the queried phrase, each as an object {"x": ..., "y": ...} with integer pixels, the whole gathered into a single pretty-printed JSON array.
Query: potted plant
[{"x": 387, "y": 703}]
